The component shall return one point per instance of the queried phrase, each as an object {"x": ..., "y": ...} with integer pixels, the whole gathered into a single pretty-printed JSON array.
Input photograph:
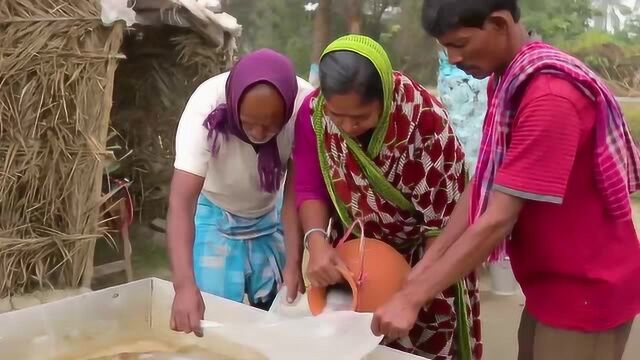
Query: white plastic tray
[{"x": 94, "y": 319}]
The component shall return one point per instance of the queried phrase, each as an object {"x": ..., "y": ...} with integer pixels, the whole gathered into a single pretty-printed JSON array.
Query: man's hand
[
  {"x": 187, "y": 311},
  {"x": 294, "y": 281},
  {"x": 396, "y": 318}
]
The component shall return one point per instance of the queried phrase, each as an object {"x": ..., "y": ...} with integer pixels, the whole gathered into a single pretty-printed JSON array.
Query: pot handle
[{"x": 361, "y": 277}]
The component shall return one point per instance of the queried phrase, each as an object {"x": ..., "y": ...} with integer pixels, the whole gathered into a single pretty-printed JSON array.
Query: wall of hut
[
  {"x": 57, "y": 66},
  {"x": 73, "y": 93}
]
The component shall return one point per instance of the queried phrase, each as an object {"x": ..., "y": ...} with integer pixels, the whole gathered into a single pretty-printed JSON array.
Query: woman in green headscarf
[{"x": 372, "y": 144}]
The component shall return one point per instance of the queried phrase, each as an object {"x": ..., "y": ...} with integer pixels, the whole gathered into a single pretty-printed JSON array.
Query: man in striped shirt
[{"x": 555, "y": 170}]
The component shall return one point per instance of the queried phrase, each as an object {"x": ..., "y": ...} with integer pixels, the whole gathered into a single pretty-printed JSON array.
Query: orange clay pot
[{"x": 375, "y": 272}]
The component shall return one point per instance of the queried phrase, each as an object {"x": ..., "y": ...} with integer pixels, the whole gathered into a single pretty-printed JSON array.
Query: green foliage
[
  {"x": 411, "y": 50},
  {"x": 632, "y": 115},
  {"x": 282, "y": 25},
  {"x": 586, "y": 41},
  {"x": 631, "y": 32},
  {"x": 616, "y": 59},
  {"x": 557, "y": 19},
  {"x": 285, "y": 26}
]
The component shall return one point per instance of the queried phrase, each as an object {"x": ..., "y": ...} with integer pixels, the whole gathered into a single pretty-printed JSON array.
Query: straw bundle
[{"x": 56, "y": 76}]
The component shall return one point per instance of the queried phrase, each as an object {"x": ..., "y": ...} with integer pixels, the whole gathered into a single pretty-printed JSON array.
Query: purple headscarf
[{"x": 261, "y": 66}]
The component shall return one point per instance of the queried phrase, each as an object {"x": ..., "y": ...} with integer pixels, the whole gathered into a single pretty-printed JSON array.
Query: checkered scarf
[{"x": 617, "y": 160}]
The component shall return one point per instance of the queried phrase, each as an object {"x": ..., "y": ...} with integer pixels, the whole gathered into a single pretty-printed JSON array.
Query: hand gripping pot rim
[{"x": 372, "y": 283}]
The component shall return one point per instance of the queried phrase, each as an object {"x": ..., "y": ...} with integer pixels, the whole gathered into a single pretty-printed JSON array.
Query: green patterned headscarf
[{"x": 370, "y": 49}]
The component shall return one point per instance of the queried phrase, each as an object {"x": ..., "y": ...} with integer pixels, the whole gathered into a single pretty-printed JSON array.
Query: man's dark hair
[
  {"x": 441, "y": 16},
  {"x": 342, "y": 72}
]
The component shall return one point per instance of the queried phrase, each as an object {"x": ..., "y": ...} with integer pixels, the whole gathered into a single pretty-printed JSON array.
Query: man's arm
[
  {"x": 470, "y": 251},
  {"x": 396, "y": 318}
]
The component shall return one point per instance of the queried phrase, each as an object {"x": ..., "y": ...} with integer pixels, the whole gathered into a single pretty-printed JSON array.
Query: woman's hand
[
  {"x": 188, "y": 306},
  {"x": 324, "y": 261},
  {"x": 293, "y": 281},
  {"x": 187, "y": 310}
]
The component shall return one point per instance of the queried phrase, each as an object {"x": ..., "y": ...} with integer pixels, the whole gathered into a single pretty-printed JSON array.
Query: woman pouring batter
[
  {"x": 372, "y": 144},
  {"x": 233, "y": 145}
]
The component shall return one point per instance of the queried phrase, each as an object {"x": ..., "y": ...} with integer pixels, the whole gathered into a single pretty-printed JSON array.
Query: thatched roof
[{"x": 220, "y": 29}]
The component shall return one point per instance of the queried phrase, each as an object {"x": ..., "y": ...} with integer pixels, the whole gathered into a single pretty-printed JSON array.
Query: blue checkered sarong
[{"x": 234, "y": 256}]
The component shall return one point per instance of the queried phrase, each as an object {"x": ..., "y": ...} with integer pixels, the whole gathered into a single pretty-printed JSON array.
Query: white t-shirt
[{"x": 231, "y": 177}]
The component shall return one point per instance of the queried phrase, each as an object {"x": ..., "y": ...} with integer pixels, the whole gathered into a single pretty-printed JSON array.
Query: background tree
[
  {"x": 411, "y": 50},
  {"x": 557, "y": 19},
  {"x": 301, "y": 29},
  {"x": 611, "y": 13},
  {"x": 321, "y": 28},
  {"x": 354, "y": 16}
]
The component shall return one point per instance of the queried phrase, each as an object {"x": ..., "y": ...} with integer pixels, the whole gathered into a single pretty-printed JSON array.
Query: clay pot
[{"x": 375, "y": 272}]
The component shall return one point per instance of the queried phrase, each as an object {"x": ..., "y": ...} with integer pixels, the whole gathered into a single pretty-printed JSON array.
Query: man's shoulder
[
  {"x": 557, "y": 99},
  {"x": 553, "y": 88}
]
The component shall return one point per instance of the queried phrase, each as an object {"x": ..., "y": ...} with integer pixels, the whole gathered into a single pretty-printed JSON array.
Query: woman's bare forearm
[
  {"x": 180, "y": 235},
  {"x": 314, "y": 214},
  {"x": 183, "y": 198},
  {"x": 290, "y": 223}
]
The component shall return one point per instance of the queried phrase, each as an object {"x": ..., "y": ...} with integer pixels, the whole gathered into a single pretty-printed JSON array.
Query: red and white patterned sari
[{"x": 421, "y": 158}]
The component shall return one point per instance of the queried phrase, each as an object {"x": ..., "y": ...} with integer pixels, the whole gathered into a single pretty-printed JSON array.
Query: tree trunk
[
  {"x": 321, "y": 29},
  {"x": 374, "y": 22},
  {"x": 321, "y": 36},
  {"x": 354, "y": 16}
]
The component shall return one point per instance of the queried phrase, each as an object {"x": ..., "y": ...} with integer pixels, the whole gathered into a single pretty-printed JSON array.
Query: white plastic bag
[
  {"x": 114, "y": 10},
  {"x": 281, "y": 309},
  {"x": 338, "y": 299},
  {"x": 344, "y": 335},
  {"x": 290, "y": 332}
]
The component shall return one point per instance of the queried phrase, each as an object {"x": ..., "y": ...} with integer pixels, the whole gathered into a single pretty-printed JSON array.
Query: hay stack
[{"x": 57, "y": 66}]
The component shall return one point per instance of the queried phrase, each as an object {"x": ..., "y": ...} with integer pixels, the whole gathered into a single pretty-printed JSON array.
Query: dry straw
[{"x": 57, "y": 67}]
